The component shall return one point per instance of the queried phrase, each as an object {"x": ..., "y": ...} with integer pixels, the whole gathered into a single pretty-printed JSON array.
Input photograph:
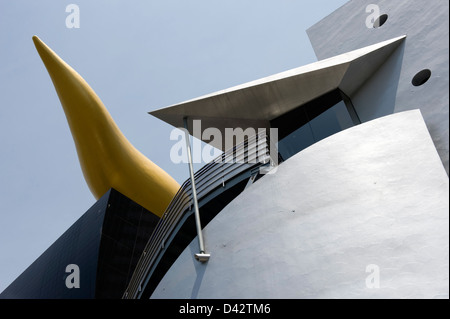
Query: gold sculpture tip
[{"x": 107, "y": 158}]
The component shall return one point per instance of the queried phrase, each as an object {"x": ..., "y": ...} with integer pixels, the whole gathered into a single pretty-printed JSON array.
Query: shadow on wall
[
  {"x": 200, "y": 269},
  {"x": 376, "y": 97}
]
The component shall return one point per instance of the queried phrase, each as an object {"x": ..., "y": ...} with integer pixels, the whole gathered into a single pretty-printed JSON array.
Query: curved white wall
[{"x": 374, "y": 194}]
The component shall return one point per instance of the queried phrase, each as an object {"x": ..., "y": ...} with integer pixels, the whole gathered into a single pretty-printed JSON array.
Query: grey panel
[{"x": 426, "y": 24}]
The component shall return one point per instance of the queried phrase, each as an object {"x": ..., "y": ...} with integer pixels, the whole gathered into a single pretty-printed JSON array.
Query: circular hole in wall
[
  {"x": 380, "y": 20},
  {"x": 421, "y": 77}
]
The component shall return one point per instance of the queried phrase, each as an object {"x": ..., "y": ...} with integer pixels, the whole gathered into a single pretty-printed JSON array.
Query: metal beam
[{"x": 202, "y": 256}]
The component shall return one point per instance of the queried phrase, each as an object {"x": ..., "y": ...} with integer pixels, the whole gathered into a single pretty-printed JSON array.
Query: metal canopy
[{"x": 254, "y": 104}]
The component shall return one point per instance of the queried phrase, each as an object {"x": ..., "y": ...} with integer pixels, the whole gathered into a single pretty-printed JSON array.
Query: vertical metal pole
[{"x": 202, "y": 256}]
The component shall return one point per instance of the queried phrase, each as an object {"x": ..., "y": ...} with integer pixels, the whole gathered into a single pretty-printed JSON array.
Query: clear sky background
[{"x": 138, "y": 56}]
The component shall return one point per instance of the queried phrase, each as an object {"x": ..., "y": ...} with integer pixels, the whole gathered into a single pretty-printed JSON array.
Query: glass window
[
  {"x": 295, "y": 142},
  {"x": 315, "y": 121},
  {"x": 331, "y": 121}
]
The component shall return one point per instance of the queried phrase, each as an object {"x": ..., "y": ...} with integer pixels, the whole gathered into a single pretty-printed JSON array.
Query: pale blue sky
[{"x": 138, "y": 56}]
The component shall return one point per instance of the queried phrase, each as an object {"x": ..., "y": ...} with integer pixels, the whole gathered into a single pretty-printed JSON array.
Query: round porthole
[
  {"x": 380, "y": 20},
  {"x": 421, "y": 77}
]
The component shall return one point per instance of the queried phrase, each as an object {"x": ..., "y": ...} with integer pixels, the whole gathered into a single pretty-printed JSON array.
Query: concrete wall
[
  {"x": 426, "y": 24},
  {"x": 375, "y": 194}
]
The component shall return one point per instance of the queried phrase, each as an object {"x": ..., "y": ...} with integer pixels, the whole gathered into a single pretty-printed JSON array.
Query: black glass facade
[
  {"x": 313, "y": 122},
  {"x": 105, "y": 243}
]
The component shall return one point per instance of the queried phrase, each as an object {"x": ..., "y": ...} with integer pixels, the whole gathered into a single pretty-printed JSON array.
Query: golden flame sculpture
[{"x": 107, "y": 158}]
